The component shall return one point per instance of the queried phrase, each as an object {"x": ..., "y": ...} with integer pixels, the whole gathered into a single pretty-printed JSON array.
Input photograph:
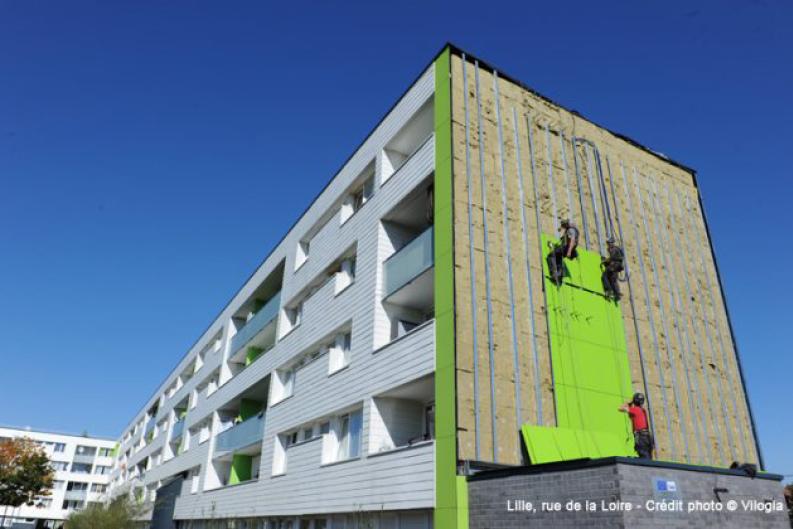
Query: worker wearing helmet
[
  {"x": 612, "y": 266},
  {"x": 642, "y": 438},
  {"x": 565, "y": 249}
]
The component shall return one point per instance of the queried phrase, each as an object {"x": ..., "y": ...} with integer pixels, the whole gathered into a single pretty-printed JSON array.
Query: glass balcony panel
[
  {"x": 178, "y": 429},
  {"x": 410, "y": 261},
  {"x": 259, "y": 321},
  {"x": 79, "y": 458},
  {"x": 244, "y": 434}
]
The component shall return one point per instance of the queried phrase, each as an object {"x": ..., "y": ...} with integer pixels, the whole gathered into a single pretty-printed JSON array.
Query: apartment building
[
  {"x": 82, "y": 467},
  {"x": 405, "y": 333}
]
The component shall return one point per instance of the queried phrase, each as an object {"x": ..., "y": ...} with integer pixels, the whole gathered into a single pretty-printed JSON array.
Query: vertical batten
[{"x": 490, "y": 342}]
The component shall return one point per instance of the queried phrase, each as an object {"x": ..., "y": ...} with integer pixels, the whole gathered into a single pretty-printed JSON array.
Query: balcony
[
  {"x": 246, "y": 434},
  {"x": 260, "y": 329},
  {"x": 83, "y": 458},
  {"x": 410, "y": 266},
  {"x": 75, "y": 495},
  {"x": 178, "y": 430}
]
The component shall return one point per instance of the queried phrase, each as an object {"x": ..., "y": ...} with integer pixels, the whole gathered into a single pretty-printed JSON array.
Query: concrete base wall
[{"x": 621, "y": 493}]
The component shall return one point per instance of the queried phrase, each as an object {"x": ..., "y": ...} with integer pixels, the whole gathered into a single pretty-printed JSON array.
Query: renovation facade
[
  {"x": 82, "y": 467},
  {"x": 404, "y": 332}
]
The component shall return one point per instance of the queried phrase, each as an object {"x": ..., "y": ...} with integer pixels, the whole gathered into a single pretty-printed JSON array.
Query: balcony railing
[
  {"x": 149, "y": 427},
  {"x": 178, "y": 430},
  {"x": 83, "y": 458},
  {"x": 259, "y": 321},
  {"x": 241, "y": 435},
  {"x": 77, "y": 495},
  {"x": 409, "y": 262}
]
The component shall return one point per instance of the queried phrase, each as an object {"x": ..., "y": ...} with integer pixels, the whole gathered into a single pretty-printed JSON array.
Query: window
[
  {"x": 194, "y": 476},
  {"x": 429, "y": 421},
  {"x": 99, "y": 488},
  {"x": 340, "y": 353},
  {"x": 106, "y": 452},
  {"x": 58, "y": 484},
  {"x": 77, "y": 485},
  {"x": 345, "y": 274},
  {"x": 303, "y": 248},
  {"x": 359, "y": 196},
  {"x": 308, "y": 433},
  {"x": 295, "y": 315},
  {"x": 284, "y": 384},
  {"x": 85, "y": 450},
  {"x": 349, "y": 435},
  {"x": 101, "y": 469},
  {"x": 60, "y": 465},
  {"x": 71, "y": 505},
  {"x": 324, "y": 428},
  {"x": 59, "y": 447},
  {"x": 290, "y": 439}
]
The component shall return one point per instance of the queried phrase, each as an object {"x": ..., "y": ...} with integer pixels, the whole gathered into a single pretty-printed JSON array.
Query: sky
[{"x": 153, "y": 153}]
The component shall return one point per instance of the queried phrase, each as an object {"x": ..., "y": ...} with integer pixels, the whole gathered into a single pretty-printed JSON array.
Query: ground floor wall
[
  {"x": 678, "y": 496},
  {"x": 411, "y": 519}
]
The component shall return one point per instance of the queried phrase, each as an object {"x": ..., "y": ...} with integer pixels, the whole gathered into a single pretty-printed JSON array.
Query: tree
[
  {"x": 118, "y": 514},
  {"x": 789, "y": 501},
  {"x": 25, "y": 473}
]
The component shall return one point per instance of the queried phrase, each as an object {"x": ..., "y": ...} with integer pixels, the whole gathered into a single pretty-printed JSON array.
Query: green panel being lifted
[{"x": 590, "y": 368}]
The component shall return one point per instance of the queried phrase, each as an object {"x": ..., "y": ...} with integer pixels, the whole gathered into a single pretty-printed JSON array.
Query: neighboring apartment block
[
  {"x": 404, "y": 332},
  {"x": 82, "y": 467}
]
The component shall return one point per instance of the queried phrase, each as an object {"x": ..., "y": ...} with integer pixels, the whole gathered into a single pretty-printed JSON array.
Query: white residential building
[
  {"x": 309, "y": 401},
  {"x": 407, "y": 333},
  {"x": 82, "y": 472}
]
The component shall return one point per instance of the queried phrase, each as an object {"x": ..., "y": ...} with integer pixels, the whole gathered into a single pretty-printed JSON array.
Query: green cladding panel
[
  {"x": 451, "y": 509},
  {"x": 249, "y": 408},
  {"x": 591, "y": 373},
  {"x": 240, "y": 469}
]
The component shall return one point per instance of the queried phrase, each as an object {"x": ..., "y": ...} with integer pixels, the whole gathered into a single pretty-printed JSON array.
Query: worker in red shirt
[{"x": 642, "y": 438}]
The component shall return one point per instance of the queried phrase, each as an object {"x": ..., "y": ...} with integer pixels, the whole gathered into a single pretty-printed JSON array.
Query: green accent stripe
[{"x": 451, "y": 509}]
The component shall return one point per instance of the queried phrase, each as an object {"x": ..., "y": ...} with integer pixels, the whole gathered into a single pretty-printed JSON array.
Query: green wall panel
[
  {"x": 251, "y": 354},
  {"x": 451, "y": 506},
  {"x": 591, "y": 373},
  {"x": 240, "y": 469},
  {"x": 249, "y": 408}
]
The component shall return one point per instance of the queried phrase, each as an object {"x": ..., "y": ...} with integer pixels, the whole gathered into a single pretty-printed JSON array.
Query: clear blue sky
[{"x": 151, "y": 154}]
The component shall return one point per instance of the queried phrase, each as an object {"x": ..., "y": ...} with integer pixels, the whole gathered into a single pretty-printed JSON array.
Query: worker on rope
[
  {"x": 642, "y": 438},
  {"x": 566, "y": 248},
  {"x": 612, "y": 266}
]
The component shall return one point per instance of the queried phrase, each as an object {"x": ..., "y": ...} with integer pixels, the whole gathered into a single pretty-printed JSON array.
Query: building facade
[
  {"x": 82, "y": 467},
  {"x": 405, "y": 332}
]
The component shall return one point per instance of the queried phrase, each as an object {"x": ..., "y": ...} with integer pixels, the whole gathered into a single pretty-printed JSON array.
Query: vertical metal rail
[
  {"x": 535, "y": 354},
  {"x": 716, "y": 330},
  {"x": 674, "y": 303},
  {"x": 508, "y": 257},
  {"x": 491, "y": 351},
  {"x": 692, "y": 308},
  {"x": 650, "y": 316},
  {"x": 580, "y": 193},
  {"x": 566, "y": 177},
  {"x": 590, "y": 172},
  {"x": 604, "y": 196},
  {"x": 551, "y": 183},
  {"x": 471, "y": 261},
  {"x": 542, "y": 257},
  {"x": 631, "y": 300},
  {"x": 651, "y": 253}
]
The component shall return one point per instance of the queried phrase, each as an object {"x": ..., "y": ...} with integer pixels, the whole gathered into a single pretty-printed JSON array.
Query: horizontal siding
[{"x": 402, "y": 479}]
